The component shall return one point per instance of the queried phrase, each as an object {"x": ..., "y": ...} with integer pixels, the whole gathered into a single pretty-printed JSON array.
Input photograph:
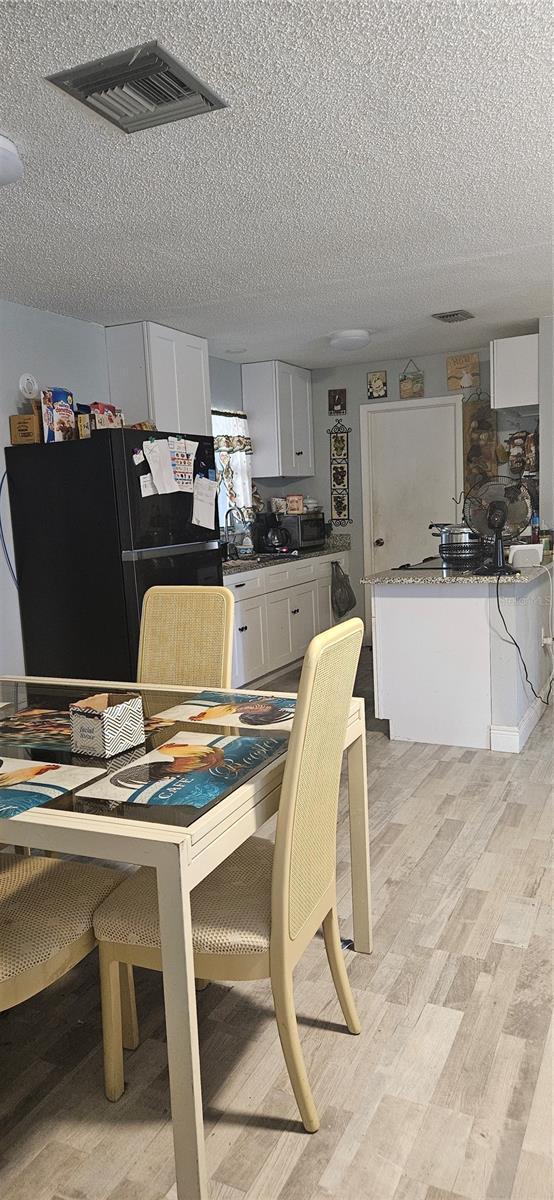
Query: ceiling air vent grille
[
  {"x": 450, "y": 318},
  {"x": 138, "y": 88}
]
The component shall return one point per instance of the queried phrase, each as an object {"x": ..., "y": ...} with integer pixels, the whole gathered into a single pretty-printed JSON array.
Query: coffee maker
[{"x": 268, "y": 536}]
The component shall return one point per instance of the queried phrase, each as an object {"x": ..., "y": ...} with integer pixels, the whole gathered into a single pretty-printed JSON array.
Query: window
[{"x": 233, "y": 449}]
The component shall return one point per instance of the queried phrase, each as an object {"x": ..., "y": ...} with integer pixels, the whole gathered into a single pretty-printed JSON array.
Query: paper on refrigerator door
[
  {"x": 159, "y": 460},
  {"x": 203, "y": 502},
  {"x": 147, "y": 486},
  {"x": 182, "y": 451}
]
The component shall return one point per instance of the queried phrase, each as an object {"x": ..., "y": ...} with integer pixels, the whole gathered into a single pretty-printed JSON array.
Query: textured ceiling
[{"x": 379, "y": 160}]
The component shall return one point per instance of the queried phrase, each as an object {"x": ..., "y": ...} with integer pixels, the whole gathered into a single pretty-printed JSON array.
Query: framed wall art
[
  {"x": 338, "y": 474},
  {"x": 337, "y": 401},
  {"x": 410, "y": 382},
  {"x": 377, "y": 385},
  {"x": 462, "y": 371}
]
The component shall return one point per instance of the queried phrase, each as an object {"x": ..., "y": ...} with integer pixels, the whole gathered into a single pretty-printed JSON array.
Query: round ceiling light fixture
[
  {"x": 11, "y": 167},
  {"x": 349, "y": 339}
]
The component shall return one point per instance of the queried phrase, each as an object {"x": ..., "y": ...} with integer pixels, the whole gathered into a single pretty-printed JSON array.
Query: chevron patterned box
[{"x": 106, "y": 724}]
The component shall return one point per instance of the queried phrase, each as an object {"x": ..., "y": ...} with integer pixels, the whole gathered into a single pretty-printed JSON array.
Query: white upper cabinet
[
  {"x": 161, "y": 375},
  {"x": 515, "y": 371},
  {"x": 277, "y": 398}
]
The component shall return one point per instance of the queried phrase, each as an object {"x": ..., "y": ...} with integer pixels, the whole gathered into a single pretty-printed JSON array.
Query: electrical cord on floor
[
  {"x": 2, "y": 538},
  {"x": 513, "y": 640}
]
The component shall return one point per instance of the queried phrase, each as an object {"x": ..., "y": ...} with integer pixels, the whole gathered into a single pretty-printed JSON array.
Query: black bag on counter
[{"x": 342, "y": 596}]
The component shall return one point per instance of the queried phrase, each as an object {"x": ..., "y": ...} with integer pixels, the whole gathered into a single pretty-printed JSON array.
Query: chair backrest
[
  {"x": 186, "y": 636},
  {"x": 305, "y": 843}
]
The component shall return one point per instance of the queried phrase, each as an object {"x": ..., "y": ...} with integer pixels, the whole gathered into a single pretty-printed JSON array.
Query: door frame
[{"x": 367, "y": 411}]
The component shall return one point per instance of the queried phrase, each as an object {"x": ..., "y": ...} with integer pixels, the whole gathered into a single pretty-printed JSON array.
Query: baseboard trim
[{"x": 511, "y": 738}]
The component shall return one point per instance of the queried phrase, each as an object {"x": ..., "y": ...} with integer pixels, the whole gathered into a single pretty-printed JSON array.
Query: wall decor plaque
[
  {"x": 377, "y": 385},
  {"x": 462, "y": 371},
  {"x": 337, "y": 401},
  {"x": 338, "y": 472},
  {"x": 410, "y": 382}
]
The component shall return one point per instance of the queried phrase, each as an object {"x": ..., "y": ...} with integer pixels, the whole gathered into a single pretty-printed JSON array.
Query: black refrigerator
[{"x": 88, "y": 545}]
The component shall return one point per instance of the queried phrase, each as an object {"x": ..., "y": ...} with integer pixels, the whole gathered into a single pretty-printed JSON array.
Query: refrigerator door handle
[{"x": 167, "y": 551}]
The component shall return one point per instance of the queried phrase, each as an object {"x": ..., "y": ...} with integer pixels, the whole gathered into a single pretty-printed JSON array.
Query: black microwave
[{"x": 306, "y": 530}]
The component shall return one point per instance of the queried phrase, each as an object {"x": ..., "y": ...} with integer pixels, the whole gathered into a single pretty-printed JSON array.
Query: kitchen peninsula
[{"x": 445, "y": 670}]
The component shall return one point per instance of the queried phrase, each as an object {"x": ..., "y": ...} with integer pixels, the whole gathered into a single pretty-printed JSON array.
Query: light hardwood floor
[{"x": 446, "y": 1094}]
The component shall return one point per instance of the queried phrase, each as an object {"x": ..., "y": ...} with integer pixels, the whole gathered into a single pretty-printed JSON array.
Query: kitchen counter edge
[
  {"x": 432, "y": 579},
  {"x": 237, "y": 566}
]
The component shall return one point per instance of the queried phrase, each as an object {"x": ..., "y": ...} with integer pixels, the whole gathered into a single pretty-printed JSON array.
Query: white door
[
  {"x": 303, "y": 616},
  {"x": 302, "y": 434},
  {"x": 279, "y": 632},
  {"x": 179, "y": 380},
  {"x": 412, "y": 467},
  {"x": 250, "y": 656}
]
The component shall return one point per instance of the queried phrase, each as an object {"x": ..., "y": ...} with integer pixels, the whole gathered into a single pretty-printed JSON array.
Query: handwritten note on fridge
[{"x": 203, "y": 503}]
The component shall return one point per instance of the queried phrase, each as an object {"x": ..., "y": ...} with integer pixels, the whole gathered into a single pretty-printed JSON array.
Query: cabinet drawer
[
  {"x": 304, "y": 572},
  {"x": 280, "y": 576},
  {"x": 324, "y": 567},
  {"x": 245, "y": 585}
]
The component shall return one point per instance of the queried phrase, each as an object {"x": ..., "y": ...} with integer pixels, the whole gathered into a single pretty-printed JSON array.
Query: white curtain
[{"x": 233, "y": 450}]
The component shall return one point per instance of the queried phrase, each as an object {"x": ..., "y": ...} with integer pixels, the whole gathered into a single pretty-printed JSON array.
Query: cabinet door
[
  {"x": 515, "y": 371},
  {"x": 288, "y": 464},
  {"x": 250, "y": 656},
  {"x": 279, "y": 628},
  {"x": 179, "y": 382},
  {"x": 302, "y": 429},
  {"x": 304, "y": 616},
  {"x": 325, "y": 617}
]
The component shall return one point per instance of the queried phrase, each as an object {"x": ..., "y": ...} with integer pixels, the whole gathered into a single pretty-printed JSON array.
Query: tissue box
[{"x": 106, "y": 724}]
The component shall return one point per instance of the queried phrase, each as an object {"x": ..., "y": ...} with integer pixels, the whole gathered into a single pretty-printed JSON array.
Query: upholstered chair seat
[{"x": 46, "y": 912}]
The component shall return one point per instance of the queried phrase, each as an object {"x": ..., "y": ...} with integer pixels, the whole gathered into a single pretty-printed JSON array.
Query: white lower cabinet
[
  {"x": 305, "y": 623},
  {"x": 279, "y": 627},
  {"x": 324, "y": 610},
  {"x": 250, "y": 643},
  {"x": 278, "y": 610}
]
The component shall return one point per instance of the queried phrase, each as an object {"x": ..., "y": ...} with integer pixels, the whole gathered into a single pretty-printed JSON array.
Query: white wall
[
  {"x": 57, "y": 351},
  {"x": 354, "y": 378},
  {"x": 225, "y": 384},
  {"x": 546, "y": 411}
]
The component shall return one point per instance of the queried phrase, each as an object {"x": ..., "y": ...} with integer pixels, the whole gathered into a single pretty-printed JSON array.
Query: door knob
[{"x": 379, "y": 542}]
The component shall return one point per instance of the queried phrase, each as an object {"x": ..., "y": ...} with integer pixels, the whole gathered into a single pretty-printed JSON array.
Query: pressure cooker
[{"x": 458, "y": 543}]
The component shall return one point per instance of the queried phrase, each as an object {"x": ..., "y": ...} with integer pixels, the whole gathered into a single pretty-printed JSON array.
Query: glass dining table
[{"x": 205, "y": 778}]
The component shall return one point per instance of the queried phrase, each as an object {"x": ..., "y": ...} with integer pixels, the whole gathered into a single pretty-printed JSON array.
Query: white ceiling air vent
[
  {"x": 457, "y": 314},
  {"x": 138, "y": 88}
]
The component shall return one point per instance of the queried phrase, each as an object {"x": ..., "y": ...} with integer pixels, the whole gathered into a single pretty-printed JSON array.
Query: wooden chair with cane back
[
  {"x": 186, "y": 636},
  {"x": 254, "y": 916}
]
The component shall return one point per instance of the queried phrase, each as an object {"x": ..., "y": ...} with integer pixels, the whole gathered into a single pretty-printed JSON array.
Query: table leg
[
  {"x": 182, "y": 1029},
  {"x": 359, "y": 842}
]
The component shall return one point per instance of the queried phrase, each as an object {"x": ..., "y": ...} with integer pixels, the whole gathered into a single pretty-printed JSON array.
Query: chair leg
[
  {"x": 110, "y": 991},
  {"x": 338, "y": 971},
  {"x": 131, "y": 1036},
  {"x": 285, "y": 1013}
]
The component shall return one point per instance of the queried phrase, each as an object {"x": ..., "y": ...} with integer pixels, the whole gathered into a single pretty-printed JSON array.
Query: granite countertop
[
  {"x": 436, "y": 577},
  {"x": 338, "y": 545}
]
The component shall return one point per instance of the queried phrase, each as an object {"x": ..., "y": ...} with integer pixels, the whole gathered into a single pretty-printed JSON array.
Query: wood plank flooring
[{"x": 447, "y": 1093}]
